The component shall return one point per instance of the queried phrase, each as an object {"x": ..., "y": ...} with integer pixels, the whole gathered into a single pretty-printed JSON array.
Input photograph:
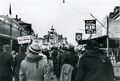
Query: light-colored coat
[{"x": 30, "y": 72}]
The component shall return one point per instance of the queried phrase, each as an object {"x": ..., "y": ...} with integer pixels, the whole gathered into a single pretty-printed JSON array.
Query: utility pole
[
  {"x": 90, "y": 34},
  {"x": 107, "y": 36},
  {"x": 107, "y": 28},
  {"x": 11, "y": 41}
]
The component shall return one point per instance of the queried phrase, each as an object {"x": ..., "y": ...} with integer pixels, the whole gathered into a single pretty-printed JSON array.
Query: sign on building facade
[{"x": 24, "y": 39}]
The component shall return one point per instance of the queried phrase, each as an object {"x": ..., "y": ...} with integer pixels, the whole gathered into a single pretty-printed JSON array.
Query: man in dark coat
[
  {"x": 71, "y": 59},
  {"x": 59, "y": 61},
  {"x": 18, "y": 59},
  {"x": 6, "y": 62},
  {"x": 94, "y": 65}
]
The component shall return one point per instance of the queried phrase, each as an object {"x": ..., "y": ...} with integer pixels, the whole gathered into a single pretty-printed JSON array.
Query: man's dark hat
[
  {"x": 71, "y": 48},
  {"x": 91, "y": 44},
  {"x": 22, "y": 48}
]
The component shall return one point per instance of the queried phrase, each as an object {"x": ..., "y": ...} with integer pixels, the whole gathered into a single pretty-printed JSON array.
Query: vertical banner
[
  {"x": 90, "y": 26},
  {"x": 78, "y": 37},
  {"x": 10, "y": 11}
]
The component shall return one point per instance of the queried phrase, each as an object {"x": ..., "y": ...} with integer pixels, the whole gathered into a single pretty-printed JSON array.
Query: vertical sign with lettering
[{"x": 90, "y": 26}]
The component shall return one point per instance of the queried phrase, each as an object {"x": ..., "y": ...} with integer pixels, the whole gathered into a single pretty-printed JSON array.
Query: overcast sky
[{"x": 66, "y": 17}]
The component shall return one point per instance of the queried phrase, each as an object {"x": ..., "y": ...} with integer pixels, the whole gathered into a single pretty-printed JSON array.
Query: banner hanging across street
[
  {"x": 78, "y": 37},
  {"x": 90, "y": 26}
]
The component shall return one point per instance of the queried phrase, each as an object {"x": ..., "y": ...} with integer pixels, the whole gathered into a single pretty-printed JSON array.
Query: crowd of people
[{"x": 35, "y": 63}]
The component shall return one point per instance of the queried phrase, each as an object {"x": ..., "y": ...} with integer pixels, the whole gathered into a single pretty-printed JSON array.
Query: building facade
[
  {"x": 112, "y": 24},
  {"x": 10, "y": 29},
  {"x": 54, "y": 39},
  {"x": 115, "y": 15}
]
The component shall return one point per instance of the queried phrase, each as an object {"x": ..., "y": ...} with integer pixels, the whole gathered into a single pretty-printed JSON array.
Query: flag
[
  {"x": 78, "y": 37},
  {"x": 10, "y": 11}
]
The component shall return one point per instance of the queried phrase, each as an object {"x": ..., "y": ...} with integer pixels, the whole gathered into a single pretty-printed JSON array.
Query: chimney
[
  {"x": 20, "y": 19},
  {"x": 16, "y": 17}
]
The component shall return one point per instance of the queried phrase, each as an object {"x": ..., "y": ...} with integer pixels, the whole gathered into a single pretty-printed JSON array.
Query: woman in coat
[{"x": 33, "y": 68}]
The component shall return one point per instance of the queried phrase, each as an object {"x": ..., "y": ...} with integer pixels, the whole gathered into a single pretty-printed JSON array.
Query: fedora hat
[{"x": 34, "y": 48}]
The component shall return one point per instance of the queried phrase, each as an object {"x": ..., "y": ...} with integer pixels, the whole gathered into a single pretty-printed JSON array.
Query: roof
[{"x": 21, "y": 22}]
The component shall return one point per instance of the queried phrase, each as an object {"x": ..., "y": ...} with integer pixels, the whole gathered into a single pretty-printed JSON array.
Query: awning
[{"x": 102, "y": 41}]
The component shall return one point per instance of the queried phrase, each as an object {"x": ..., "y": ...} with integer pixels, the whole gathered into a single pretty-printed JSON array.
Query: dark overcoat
[
  {"x": 95, "y": 66},
  {"x": 6, "y": 62},
  {"x": 18, "y": 59}
]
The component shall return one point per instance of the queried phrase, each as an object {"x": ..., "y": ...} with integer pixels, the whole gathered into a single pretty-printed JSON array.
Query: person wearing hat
[
  {"x": 94, "y": 65},
  {"x": 69, "y": 64},
  {"x": 60, "y": 60},
  {"x": 33, "y": 68},
  {"x": 17, "y": 61}
]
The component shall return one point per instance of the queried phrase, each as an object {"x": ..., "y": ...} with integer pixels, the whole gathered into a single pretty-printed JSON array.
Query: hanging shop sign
[
  {"x": 90, "y": 26},
  {"x": 78, "y": 37}
]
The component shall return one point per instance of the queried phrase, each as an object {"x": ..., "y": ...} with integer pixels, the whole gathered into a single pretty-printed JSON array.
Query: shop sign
[
  {"x": 78, "y": 37},
  {"x": 90, "y": 26},
  {"x": 24, "y": 39}
]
